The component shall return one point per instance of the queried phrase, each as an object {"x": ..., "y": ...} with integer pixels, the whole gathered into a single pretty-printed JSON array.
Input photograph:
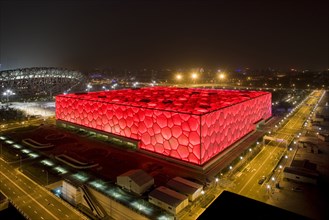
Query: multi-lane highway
[
  {"x": 246, "y": 182},
  {"x": 33, "y": 200}
]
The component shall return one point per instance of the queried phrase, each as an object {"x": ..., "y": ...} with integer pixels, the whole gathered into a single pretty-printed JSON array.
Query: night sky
[{"x": 171, "y": 34}]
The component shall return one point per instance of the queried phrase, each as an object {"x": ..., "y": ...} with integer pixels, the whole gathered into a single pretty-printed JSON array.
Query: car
[{"x": 262, "y": 180}]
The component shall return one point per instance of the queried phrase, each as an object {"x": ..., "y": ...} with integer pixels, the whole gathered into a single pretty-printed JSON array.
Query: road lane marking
[
  {"x": 286, "y": 126},
  {"x": 30, "y": 196},
  {"x": 255, "y": 173}
]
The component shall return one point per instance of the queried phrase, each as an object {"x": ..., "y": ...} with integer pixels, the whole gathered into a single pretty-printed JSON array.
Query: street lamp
[
  {"x": 194, "y": 76},
  {"x": 8, "y": 93},
  {"x": 89, "y": 87},
  {"x": 268, "y": 188},
  {"x": 20, "y": 161},
  {"x": 221, "y": 76},
  {"x": 179, "y": 77}
]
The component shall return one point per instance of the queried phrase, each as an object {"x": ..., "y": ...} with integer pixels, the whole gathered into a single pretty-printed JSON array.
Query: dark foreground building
[{"x": 236, "y": 206}]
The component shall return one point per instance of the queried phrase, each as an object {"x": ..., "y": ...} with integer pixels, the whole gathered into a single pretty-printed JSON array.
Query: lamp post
[
  {"x": 8, "y": 93},
  {"x": 194, "y": 77},
  {"x": 89, "y": 87},
  {"x": 179, "y": 76},
  {"x": 221, "y": 77},
  {"x": 20, "y": 161}
]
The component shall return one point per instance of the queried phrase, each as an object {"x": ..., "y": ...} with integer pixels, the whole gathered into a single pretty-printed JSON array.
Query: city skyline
[
  {"x": 171, "y": 110},
  {"x": 162, "y": 34},
  {"x": 76, "y": 140}
]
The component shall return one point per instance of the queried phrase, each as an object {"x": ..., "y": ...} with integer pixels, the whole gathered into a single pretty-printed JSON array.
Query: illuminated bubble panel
[
  {"x": 169, "y": 130},
  {"x": 172, "y": 134},
  {"x": 222, "y": 128}
]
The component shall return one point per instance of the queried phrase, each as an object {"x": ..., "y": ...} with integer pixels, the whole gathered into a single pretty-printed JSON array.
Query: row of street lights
[
  {"x": 194, "y": 76},
  {"x": 20, "y": 165}
]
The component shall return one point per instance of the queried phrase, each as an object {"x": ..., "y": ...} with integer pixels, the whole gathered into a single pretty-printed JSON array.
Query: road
[
  {"x": 30, "y": 122},
  {"x": 34, "y": 200},
  {"x": 245, "y": 182}
]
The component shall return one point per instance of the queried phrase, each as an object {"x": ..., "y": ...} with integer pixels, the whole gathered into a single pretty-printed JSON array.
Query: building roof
[
  {"x": 306, "y": 164},
  {"x": 167, "y": 196},
  {"x": 240, "y": 207},
  {"x": 140, "y": 177},
  {"x": 183, "y": 185},
  {"x": 302, "y": 172},
  {"x": 183, "y": 100}
]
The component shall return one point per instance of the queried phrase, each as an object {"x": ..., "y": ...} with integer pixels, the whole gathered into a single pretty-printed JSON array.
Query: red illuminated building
[{"x": 188, "y": 124}]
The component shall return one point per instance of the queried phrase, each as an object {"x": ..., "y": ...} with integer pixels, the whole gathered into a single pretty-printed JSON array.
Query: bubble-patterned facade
[{"x": 189, "y": 124}]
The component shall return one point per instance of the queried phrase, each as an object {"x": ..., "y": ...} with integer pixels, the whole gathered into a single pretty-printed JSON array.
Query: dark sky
[{"x": 165, "y": 34}]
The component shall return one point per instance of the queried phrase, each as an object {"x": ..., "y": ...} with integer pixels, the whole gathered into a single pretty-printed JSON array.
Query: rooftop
[
  {"x": 183, "y": 100},
  {"x": 168, "y": 196},
  {"x": 183, "y": 185},
  {"x": 306, "y": 164},
  {"x": 139, "y": 176}
]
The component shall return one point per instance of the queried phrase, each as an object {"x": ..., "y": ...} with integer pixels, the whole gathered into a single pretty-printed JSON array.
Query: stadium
[
  {"x": 189, "y": 124},
  {"x": 38, "y": 82}
]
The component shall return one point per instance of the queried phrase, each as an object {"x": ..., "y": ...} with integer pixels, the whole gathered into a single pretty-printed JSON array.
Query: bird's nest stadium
[{"x": 22, "y": 84}]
